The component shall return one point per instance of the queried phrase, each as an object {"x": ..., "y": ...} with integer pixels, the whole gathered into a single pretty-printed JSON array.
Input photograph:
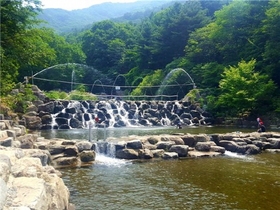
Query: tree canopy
[
  {"x": 230, "y": 49},
  {"x": 242, "y": 88}
]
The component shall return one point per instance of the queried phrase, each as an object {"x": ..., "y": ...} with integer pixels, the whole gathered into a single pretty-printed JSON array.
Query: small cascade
[
  {"x": 236, "y": 155},
  {"x": 105, "y": 155},
  {"x": 116, "y": 113}
]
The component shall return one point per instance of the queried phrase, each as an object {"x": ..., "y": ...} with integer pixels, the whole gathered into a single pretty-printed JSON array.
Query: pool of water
[
  {"x": 228, "y": 182},
  {"x": 101, "y": 133},
  {"x": 232, "y": 181}
]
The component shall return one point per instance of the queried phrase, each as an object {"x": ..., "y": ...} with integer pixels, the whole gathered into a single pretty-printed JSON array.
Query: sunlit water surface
[
  {"x": 228, "y": 182},
  {"x": 101, "y": 133}
]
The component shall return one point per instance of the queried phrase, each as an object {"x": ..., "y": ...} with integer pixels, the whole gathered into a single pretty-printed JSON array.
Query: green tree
[
  {"x": 233, "y": 35},
  {"x": 271, "y": 28},
  {"x": 42, "y": 48},
  {"x": 16, "y": 17},
  {"x": 108, "y": 46},
  {"x": 244, "y": 90},
  {"x": 146, "y": 86},
  {"x": 165, "y": 34}
]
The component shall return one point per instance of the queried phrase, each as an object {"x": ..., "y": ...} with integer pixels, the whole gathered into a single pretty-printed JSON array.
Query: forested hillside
[
  {"x": 231, "y": 49},
  {"x": 64, "y": 21}
]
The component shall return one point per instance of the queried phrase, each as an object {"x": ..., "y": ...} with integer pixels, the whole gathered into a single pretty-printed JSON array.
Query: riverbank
[
  {"x": 27, "y": 179},
  {"x": 26, "y": 159}
]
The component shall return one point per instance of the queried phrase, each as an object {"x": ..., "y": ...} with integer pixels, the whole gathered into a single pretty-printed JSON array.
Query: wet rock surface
[{"x": 113, "y": 113}]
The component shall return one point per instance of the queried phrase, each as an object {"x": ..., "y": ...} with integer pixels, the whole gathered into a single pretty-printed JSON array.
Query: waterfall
[
  {"x": 116, "y": 113},
  {"x": 105, "y": 155}
]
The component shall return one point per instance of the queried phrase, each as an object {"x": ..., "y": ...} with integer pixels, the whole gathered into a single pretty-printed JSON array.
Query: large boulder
[
  {"x": 189, "y": 140},
  {"x": 153, "y": 140},
  {"x": 219, "y": 149},
  {"x": 135, "y": 144},
  {"x": 252, "y": 150},
  {"x": 84, "y": 145},
  {"x": 165, "y": 145},
  {"x": 203, "y": 146},
  {"x": 66, "y": 161},
  {"x": 158, "y": 153},
  {"x": 177, "y": 140},
  {"x": 127, "y": 154},
  {"x": 32, "y": 122},
  {"x": 229, "y": 145},
  {"x": 47, "y": 107},
  {"x": 27, "y": 184},
  {"x": 87, "y": 156},
  {"x": 145, "y": 154},
  {"x": 181, "y": 150},
  {"x": 202, "y": 138},
  {"x": 275, "y": 143}
]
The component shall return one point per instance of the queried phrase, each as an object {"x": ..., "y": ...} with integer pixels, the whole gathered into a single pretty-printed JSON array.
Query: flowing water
[{"x": 229, "y": 182}]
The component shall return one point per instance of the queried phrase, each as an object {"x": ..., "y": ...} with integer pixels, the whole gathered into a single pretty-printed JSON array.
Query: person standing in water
[{"x": 261, "y": 127}]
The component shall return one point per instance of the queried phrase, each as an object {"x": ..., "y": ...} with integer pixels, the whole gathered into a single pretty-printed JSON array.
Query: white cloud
[{"x": 75, "y": 4}]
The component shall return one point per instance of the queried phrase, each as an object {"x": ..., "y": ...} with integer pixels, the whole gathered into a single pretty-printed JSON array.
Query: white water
[
  {"x": 109, "y": 159},
  {"x": 236, "y": 155},
  {"x": 102, "y": 159}
]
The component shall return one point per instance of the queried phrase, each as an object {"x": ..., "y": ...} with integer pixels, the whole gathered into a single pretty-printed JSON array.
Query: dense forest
[{"x": 229, "y": 48}]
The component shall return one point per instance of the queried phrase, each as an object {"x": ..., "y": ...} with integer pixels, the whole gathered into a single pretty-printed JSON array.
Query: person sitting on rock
[
  {"x": 261, "y": 127},
  {"x": 179, "y": 125}
]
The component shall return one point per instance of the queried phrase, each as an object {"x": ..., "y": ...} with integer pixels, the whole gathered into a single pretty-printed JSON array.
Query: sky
[{"x": 76, "y": 4}]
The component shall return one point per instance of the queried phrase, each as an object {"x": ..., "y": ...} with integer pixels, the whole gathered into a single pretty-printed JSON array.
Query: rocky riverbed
[{"x": 29, "y": 163}]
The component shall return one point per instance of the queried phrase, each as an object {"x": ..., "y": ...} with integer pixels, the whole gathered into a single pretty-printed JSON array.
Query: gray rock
[
  {"x": 12, "y": 133},
  {"x": 67, "y": 161},
  {"x": 150, "y": 146},
  {"x": 252, "y": 150},
  {"x": 228, "y": 145},
  {"x": 120, "y": 145},
  {"x": 43, "y": 155},
  {"x": 153, "y": 140},
  {"x": 145, "y": 154},
  {"x": 202, "y": 138},
  {"x": 87, "y": 156},
  {"x": 165, "y": 145},
  {"x": 275, "y": 143},
  {"x": 218, "y": 149},
  {"x": 203, "y": 146},
  {"x": 83, "y": 145},
  {"x": 181, "y": 150},
  {"x": 189, "y": 140},
  {"x": 56, "y": 149},
  {"x": 135, "y": 144},
  {"x": 71, "y": 151},
  {"x": 170, "y": 155},
  {"x": 158, "y": 153},
  {"x": 48, "y": 107},
  {"x": 6, "y": 142},
  {"x": 127, "y": 154},
  {"x": 68, "y": 142},
  {"x": 177, "y": 140},
  {"x": 33, "y": 122}
]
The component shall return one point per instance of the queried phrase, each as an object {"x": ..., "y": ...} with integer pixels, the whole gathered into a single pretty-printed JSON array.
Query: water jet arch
[{"x": 173, "y": 87}]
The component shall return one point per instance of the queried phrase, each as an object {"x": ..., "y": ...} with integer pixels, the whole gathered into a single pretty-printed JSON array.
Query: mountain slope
[{"x": 66, "y": 21}]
